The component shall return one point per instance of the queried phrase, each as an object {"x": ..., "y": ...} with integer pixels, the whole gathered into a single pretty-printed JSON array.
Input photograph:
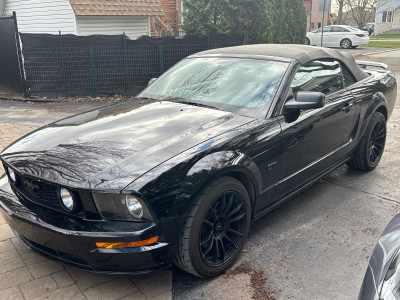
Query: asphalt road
[{"x": 317, "y": 245}]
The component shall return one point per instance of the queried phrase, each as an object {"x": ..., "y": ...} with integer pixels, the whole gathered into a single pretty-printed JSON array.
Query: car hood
[{"x": 108, "y": 148}]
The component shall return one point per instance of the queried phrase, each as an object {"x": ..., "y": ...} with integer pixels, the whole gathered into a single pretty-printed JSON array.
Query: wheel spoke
[
  {"x": 234, "y": 232},
  {"x": 209, "y": 248},
  {"x": 379, "y": 146},
  {"x": 235, "y": 210},
  {"x": 207, "y": 240},
  {"x": 222, "y": 250},
  {"x": 380, "y": 135},
  {"x": 216, "y": 252},
  {"x": 230, "y": 241},
  {"x": 376, "y": 152},
  {"x": 237, "y": 218},
  {"x": 371, "y": 154},
  {"x": 214, "y": 211},
  {"x": 229, "y": 204},
  {"x": 208, "y": 223},
  {"x": 379, "y": 131},
  {"x": 222, "y": 204}
]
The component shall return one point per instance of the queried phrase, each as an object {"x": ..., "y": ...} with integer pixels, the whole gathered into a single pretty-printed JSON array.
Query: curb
[
  {"x": 377, "y": 52},
  {"x": 30, "y": 100}
]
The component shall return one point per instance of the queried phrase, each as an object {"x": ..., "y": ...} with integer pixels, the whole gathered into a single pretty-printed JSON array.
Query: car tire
[
  {"x": 346, "y": 44},
  {"x": 308, "y": 41},
  {"x": 372, "y": 145},
  {"x": 215, "y": 229}
]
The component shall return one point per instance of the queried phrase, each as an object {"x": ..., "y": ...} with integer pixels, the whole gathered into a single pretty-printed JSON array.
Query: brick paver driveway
[{"x": 25, "y": 275}]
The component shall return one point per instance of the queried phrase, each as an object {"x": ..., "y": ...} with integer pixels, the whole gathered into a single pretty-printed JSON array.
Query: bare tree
[
  {"x": 340, "y": 4},
  {"x": 361, "y": 10}
]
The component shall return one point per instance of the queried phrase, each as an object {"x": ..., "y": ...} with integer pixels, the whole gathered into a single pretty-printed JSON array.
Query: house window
[
  {"x": 319, "y": 24},
  {"x": 387, "y": 16},
  {"x": 312, "y": 25}
]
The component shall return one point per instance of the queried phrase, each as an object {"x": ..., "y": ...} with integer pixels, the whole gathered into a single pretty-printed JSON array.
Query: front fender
[
  {"x": 170, "y": 188},
  {"x": 210, "y": 168}
]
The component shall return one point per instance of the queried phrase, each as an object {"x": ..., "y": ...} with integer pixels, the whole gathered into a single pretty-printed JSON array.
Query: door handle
[{"x": 347, "y": 107}]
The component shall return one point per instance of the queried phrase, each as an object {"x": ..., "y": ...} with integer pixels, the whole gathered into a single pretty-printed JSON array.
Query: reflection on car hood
[{"x": 90, "y": 149}]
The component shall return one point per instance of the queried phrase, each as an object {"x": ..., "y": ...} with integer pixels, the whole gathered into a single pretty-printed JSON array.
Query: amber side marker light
[{"x": 128, "y": 244}]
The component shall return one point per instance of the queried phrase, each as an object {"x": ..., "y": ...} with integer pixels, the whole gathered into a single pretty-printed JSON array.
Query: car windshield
[{"x": 244, "y": 86}]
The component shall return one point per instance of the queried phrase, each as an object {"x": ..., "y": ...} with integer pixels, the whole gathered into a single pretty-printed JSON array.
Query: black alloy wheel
[
  {"x": 215, "y": 229},
  {"x": 377, "y": 142},
  {"x": 223, "y": 228},
  {"x": 308, "y": 41},
  {"x": 372, "y": 145}
]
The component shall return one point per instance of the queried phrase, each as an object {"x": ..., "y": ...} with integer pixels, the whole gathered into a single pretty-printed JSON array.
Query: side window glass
[
  {"x": 323, "y": 76},
  {"x": 338, "y": 29},
  {"x": 348, "y": 78},
  {"x": 327, "y": 29}
]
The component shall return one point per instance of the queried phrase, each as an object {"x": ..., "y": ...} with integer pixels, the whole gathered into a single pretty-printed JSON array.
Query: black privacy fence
[
  {"x": 69, "y": 65},
  {"x": 10, "y": 76}
]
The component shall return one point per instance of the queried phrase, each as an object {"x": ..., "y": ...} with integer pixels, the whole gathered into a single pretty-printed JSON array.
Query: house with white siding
[
  {"x": 387, "y": 17},
  {"x": 84, "y": 17}
]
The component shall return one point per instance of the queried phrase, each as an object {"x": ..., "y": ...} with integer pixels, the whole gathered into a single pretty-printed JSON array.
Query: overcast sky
[{"x": 334, "y": 6}]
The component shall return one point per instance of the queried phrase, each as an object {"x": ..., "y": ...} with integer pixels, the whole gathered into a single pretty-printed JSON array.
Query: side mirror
[
  {"x": 151, "y": 81},
  {"x": 306, "y": 100}
]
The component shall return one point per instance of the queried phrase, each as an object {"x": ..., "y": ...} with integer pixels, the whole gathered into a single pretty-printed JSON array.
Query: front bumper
[{"x": 72, "y": 241}]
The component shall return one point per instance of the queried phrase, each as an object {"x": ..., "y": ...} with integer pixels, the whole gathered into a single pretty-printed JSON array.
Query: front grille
[{"x": 38, "y": 192}]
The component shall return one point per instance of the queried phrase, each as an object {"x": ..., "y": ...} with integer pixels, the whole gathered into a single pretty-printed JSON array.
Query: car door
[
  {"x": 315, "y": 37},
  {"x": 327, "y": 39},
  {"x": 337, "y": 35},
  {"x": 266, "y": 148},
  {"x": 318, "y": 138}
]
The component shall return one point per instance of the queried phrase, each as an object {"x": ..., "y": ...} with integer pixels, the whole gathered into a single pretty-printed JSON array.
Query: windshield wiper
[
  {"x": 201, "y": 105},
  {"x": 145, "y": 98},
  {"x": 195, "y": 103}
]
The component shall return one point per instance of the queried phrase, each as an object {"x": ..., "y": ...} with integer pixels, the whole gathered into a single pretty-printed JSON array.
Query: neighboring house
[
  {"x": 314, "y": 16},
  {"x": 85, "y": 17},
  {"x": 170, "y": 23},
  {"x": 387, "y": 17}
]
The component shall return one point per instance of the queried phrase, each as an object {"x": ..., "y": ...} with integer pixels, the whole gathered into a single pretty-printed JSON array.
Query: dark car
[
  {"x": 382, "y": 279},
  {"x": 370, "y": 27},
  {"x": 181, "y": 172}
]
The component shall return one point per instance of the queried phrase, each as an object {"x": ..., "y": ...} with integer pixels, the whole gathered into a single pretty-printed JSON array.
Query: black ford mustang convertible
[{"x": 180, "y": 173}]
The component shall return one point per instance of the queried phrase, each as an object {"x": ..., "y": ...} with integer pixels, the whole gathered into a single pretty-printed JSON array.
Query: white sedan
[{"x": 338, "y": 36}]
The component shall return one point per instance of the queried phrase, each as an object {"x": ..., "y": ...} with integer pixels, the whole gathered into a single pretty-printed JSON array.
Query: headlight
[
  {"x": 67, "y": 200},
  {"x": 121, "y": 207},
  {"x": 134, "y": 206},
  {"x": 11, "y": 175}
]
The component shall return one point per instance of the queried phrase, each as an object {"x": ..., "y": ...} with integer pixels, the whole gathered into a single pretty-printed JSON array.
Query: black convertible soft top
[{"x": 302, "y": 53}]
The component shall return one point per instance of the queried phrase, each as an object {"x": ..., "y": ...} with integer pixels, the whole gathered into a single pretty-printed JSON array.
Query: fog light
[
  {"x": 134, "y": 206},
  {"x": 11, "y": 175},
  {"x": 67, "y": 200}
]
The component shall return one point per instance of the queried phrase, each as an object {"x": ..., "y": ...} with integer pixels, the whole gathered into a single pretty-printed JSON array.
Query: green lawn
[
  {"x": 388, "y": 36},
  {"x": 382, "y": 44}
]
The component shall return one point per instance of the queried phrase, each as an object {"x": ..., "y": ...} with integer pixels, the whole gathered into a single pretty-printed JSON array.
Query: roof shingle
[{"x": 117, "y": 7}]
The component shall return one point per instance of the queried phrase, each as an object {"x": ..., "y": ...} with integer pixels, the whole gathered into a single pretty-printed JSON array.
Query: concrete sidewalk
[{"x": 25, "y": 275}]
